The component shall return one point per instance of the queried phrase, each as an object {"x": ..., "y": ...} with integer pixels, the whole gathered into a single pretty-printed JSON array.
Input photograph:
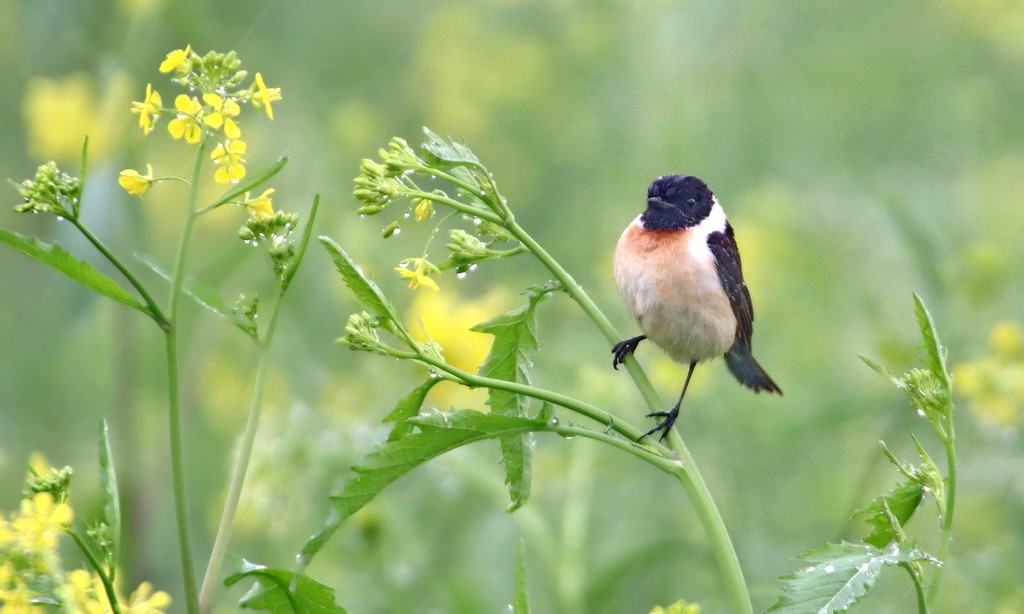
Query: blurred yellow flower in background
[
  {"x": 993, "y": 386},
  {"x": 40, "y": 522},
  {"x": 58, "y": 115}
]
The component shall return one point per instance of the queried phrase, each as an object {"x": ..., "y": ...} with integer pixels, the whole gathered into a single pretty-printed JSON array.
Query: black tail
[{"x": 742, "y": 364}]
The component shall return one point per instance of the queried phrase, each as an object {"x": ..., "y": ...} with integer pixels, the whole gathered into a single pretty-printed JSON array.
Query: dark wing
[{"x": 730, "y": 272}]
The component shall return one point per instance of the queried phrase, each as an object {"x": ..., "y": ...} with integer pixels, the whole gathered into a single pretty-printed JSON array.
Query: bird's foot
[
  {"x": 665, "y": 425},
  {"x": 625, "y": 348}
]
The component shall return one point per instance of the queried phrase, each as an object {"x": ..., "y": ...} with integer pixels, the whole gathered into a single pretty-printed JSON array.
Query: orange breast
[{"x": 670, "y": 285}]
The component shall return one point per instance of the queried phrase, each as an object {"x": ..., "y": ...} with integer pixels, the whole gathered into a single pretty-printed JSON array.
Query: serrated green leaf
[
  {"x": 515, "y": 337},
  {"x": 446, "y": 153},
  {"x": 60, "y": 259},
  {"x": 273, "y": 592},
  {"x": 522, "y": 603},
  {"x": 902, "y": 501},
  {"x": 839, "y": 576},
  {"x": 204, "y": 296},
  {"x": 112, "y": 499},
  {"x": 365, "y": 291},
  {"x": 935, "y": 354},
  {"x": 408, "y": 407},
  {"x": 438, "y": 433}
]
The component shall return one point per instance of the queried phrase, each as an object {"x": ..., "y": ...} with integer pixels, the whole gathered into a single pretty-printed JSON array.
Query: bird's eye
[{"x": 691, "y": 202}]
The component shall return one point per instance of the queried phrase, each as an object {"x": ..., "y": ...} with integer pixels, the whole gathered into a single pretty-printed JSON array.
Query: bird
[{"x": 678, "y": 270}]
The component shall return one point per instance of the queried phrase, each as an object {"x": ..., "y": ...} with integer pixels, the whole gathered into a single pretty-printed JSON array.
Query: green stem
[
  {"x": 154, "y": 310},
  {"x": 688, "y": 473},
  {"x": 108, "y": 583},
  {"x": 174, "y": 403},
  {"x": 454, "y": 204},
  {"x": 223, "y": 537},
  {"x": 947, "y": 516},
  {"x": 220, "y": 542},
  {"x": 631, "y": 433},
  {"x": 922, "y": 603}
]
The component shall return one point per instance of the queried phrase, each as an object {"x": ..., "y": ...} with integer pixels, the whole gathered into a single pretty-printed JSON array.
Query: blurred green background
[{"x": 863, "y": 151}]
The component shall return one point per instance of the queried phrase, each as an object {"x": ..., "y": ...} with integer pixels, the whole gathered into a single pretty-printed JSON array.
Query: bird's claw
[
  {"x": 625, "y": 348},
  {"x": 665, "y": 425}
]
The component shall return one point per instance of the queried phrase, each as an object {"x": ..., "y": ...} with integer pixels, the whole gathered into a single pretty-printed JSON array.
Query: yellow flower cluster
[
  {"x": 212, "y": 113},
  {"x": 29, "y": 551},
  {"x": 994, "y": 386},
  {"x": 418, "y": 271}
]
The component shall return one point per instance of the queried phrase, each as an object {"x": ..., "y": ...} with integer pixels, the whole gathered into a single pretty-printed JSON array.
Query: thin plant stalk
[
  {"x": 105, "y": 579},
  {"x": 947, "y": 518},
  {"x": 223, "y": 537},
  {"x": 174, "y": 403}
]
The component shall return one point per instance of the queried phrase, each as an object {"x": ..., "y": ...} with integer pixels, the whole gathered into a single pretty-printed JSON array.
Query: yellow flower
[
  {"x": 133, "y": 182},
  {"x": 179, "y": 59},
  {"x": 1006, "y": 339},
  {"x": 186, "y": 124},
  {"x": 424, "y": 209},
  {"x": 145, "y": 601},
  {"x": 41, "y": 521},
  {"x": 419, "y": 276},
  {"x": 149, "y": 109},
  {"x": 17, "y": 599},
  {"x": 261, "y": 206},
  {"x": 86, "y": 592},
  {"x": 265, "y": 95},
  {"x": 223, "y": 110},
  {"x": 231, "y": 159}
]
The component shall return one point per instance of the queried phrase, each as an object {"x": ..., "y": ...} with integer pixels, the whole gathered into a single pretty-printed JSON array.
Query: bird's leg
[
  {"x": 669, "y": 416},
  {"x": 625, "y": 348}
]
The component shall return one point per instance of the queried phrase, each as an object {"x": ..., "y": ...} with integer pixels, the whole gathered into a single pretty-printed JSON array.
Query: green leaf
[
  {"x": 935, "y": 354},
  {"x": 273, "y": 592},
  {"x": 112, "y": 501},
  {"x": 522, "y": 603},
  {"x": 902, "y": 501},
  {"x": 515, "y": 337},
  {"x": 204, "y": 296},
  {"x": 255, "y": 181},
  {"x": 446, "y": 153},
  {"x": 84, "y": 273},
  {"x": 839, "y": 576},
  {"x": 879, "y": 369},
  {"x": 438, "y": 433},
  {"x": 365, "y": 291},
  {"x": 408, "y": 407}
]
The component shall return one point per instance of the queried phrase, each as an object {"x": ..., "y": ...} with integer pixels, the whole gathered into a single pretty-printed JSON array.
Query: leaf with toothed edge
[
  {"x": 408, "y": 407},
  {"x": 277, "y": 591},
  {"x": 515, "y": 337},
  {"x": 935, "y": 354},
  {"x": 365, "y": 291},
  {"x": 81, "y": 271},
  {"x": 437, "y": 433},
  {"x": 446, "y": 153},
  {"x": 839, "y": 576}
]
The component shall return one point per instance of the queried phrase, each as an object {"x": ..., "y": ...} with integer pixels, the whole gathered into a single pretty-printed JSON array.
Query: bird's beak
[{"x": 657, "y": 203}]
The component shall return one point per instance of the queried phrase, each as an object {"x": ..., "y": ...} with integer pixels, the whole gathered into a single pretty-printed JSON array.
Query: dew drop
[
  {"x": 829, "y": 569},
  {"x": 397, "y": 231},
  {"x": 477, "y": 221},
  {"x": 863, "y": 568},
  {"x": 553, "y": 422},
  {"x": 920, "y": 412},
  {"x": 461, "y": 275},
  {"x": 472, "y": 267}
]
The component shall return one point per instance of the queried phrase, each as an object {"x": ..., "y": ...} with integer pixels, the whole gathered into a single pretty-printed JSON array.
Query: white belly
[{"x": 671, "y": 288}]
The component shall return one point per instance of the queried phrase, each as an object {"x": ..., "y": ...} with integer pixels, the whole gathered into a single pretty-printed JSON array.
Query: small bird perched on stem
[{"x": 678, "y": 270}]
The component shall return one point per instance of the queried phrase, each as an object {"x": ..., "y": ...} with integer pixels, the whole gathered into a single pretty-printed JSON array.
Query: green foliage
[
  {"x": 205, "y": 296},
  {"x": 438, "y": 433},
  {"x": 365, "y": 291},
  {"x": 839, "y": 576},
  {"x": 50, "y": 191},
  {"x": 84, "y": 273},
  {"x": 521, "y": 605},
  {"x": 515, "y": 337},
  {"x": 407, "y": 408},
  {"x": 280, "y": 592},
  {"x": 111, "y": 498}
]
